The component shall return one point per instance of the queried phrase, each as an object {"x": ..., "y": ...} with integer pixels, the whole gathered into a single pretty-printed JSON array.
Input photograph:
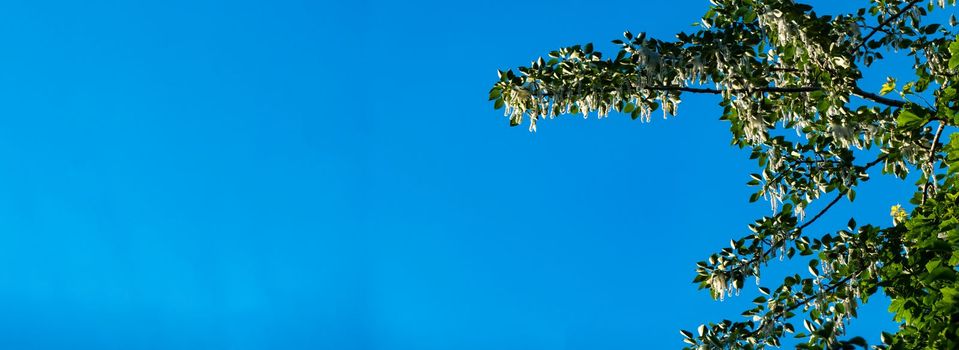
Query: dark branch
[
  {"x": 823, "y": 211},
  {"x": 736, "y": 91},
  {"x": 878, "y": 29},
  {"x": 830, "y": 288},
  {"x": 838, "y": 197},
  {"x": 841, "y": 194},
  {"x": 876, "y": 98},
  {"x": 886, "y": 22},
  {"x": 818, "y": 215},
  {"x": 810, "y": 298},
  {"x": 857, "y": 91},
  {"x": 695, "y": 90}
]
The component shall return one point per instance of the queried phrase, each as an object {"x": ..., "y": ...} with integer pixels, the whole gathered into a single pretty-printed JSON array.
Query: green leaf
[
  {"x": 896, "y": 307},
  {"x": 940, "y": 273},
  {"x": 932, "y": 265},
  {"x": 949, "y": 297},
  {"x": 809, "y": 325},
  {"x": 888, "y": 87},
  {"x": 788, "y": 327},
  {"x": 908, "y": 119},
  {"x": 858, "y": 341},
  {"x": 954, "y": 52},
  {"x": 886, "y": 338},
  {"x": 495, "y": 93}
]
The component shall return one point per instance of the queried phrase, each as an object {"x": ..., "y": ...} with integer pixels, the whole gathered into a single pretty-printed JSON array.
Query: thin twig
[
  {"x": 821, "y": 212},
  {"x": 841, "y": 194},
  {"x": 886, "y": 22},
  {"x": 932, "y": 164},
  {"x": 877, "y": 28},
  {"x": 831, "y": 287}
]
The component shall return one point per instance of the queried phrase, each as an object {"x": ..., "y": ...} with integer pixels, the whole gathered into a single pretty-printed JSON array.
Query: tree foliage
[{"x": 780, "y": 67}]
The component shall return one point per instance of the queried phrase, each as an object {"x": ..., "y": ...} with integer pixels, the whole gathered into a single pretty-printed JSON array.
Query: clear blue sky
[{"x": 309, "y": 175}]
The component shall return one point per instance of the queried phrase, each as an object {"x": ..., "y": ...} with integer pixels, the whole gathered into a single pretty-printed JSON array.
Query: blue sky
[{"x": 309, "y": 175}]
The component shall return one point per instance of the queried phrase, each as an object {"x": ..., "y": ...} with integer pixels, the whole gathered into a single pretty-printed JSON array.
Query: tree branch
[
  {"x": 856, "y": 90},
  {"x": 841, "y": 194},
  {"x": 885, "y": 23},
  {"x": 830, "y": 288},
  {"x": 877, "y": 29},
  {"x": 818, "y": 215},
  {"x": 823, "y": 211},
  {"x": 810, "y": 298},
  {"x": 736, "y": 91},
  {"x": 720, "y": 91},
  {"x": 932, "y": 163}
]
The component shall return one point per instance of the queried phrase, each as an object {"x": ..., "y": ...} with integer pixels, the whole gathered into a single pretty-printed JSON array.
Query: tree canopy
[{"x": 789, "y": 80}]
